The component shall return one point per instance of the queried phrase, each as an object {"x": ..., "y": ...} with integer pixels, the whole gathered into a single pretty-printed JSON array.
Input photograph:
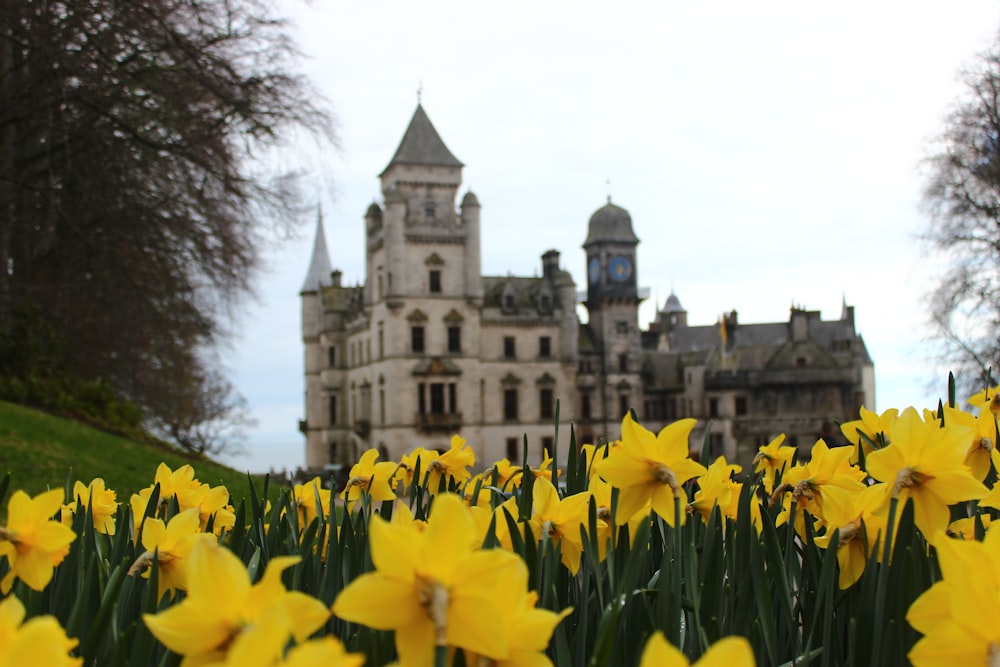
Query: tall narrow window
[
  {"x": 623, "y": 363},
  {"x": 381, "y": 341},
  {"x": 741, "y": 406},
  {"x": 381, "y": 406},
  {"x": 454, "y": 339},
  {"x": 452, "y": 399},
  {"x": 333, "y": 410},
  {"x": 545, "y": 347},
  {"x": 437, "y": 398},
  {"x": 421, "y": 399},
  {"x": 623, "y": 406},
  {"x": 512, "y": 450},
  {"x": 545, "y": 403},
  {"x": 331, "y": 356},
  {"x": 509, "y": 350},
  {"x": 416, "y": 339},
  {"x": 713, "y": 407},
  {"x": 585, "y": 405},
  {"x": 435, "y": 281},
  {"x": 510, "y": 404}
]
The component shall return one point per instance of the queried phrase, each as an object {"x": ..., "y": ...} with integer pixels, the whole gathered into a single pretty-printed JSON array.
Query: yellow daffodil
[
  {"x": 369, "y": 477},
  {"x": 960, "y": 615},
  {"x": 807, "y": 483},
  {"x": 32, "y": 541},
  {"x": 212, "y": 502},
  {"x": 311, "y": 499},
  {"x": 173, "y": 484},
  {"x": 482, "y": 499},
  {"x": 965, "y": 529},
  {"x": 561, "y": 520},
  {"x": 544, "y": 470},
  {"x": 171, "y": 544},
  {"x": 451, "y": 467},
  {"x": 326, "y": 651},
  {"x": 432, "y": 589},
  {"x": 716, "y": 487},
  {"x": 982, "y": 454},
  {"x": 410, "y": 464},
  {"x": 102, "y": 502},
  {"x": 651, "y": 468},
  {"x": 508, "y": 507},
  {"x": 926, "y": 463},
  {"x": 772, "y": 459},
  {"x": 854, "y": 514},
  {"x": 508, "y": 475},
  {"x": 727, "y": 652},
  {"x": 871, "y": 428},
  {"x": 224, "y": 619},
  {"x": 528, "y": 629},
  {"x": 988, "y": 399},
  {"x": 39, "y": 641},
  {"x": 992, "y": 499}
]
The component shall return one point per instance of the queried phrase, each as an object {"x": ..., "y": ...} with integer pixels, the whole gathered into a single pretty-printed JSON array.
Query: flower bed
[{"x": 877, "y": 553}]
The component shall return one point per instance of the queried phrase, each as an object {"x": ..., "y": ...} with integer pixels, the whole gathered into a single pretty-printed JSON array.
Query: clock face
[
  {"x": 620, "y": 268},
  {"x": 594, "y": 270}
]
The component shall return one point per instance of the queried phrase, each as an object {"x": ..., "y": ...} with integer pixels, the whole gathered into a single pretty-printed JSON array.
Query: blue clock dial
[
  {"x": 594, "y": 270},
  {"x": 620, "y": 268}
]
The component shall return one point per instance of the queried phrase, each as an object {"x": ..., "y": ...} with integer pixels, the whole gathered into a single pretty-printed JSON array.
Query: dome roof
[
  {"x": 470, "y": 199},
  {"x": 610, "y": 223},
  {"x": 673, "y": 304}
]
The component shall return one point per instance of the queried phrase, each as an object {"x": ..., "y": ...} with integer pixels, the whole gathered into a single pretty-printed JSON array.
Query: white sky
[{"x": 769, "y": 154}]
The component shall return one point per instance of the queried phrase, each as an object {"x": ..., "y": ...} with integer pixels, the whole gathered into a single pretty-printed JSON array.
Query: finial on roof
[
  {"x": 607, "y": 182},
  {"x": 420, "y": 90}
]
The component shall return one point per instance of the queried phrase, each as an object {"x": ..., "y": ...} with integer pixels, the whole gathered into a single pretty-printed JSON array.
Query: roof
[
  {"x": 422, "y": 144},
  {"x": 610, "y": 223},
  {"x": 755, "y": 344},
  {"x": 319, "y": 266},
  {"x": 673, "y": 305}
]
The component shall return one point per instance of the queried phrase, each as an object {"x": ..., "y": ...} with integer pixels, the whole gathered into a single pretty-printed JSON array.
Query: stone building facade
[{"x": 428, "y": 347}]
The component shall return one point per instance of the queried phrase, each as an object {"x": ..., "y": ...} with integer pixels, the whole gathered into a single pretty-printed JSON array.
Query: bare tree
[
  {"x": 132, "y": 201},
  {"x": 962, "y": 197}
]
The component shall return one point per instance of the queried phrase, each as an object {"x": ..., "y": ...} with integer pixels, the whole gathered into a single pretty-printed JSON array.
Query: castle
[{"x": 428, "y": 347}]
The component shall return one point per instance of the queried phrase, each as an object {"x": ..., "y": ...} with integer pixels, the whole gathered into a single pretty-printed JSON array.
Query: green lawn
[{"x": 40, "y": 450}]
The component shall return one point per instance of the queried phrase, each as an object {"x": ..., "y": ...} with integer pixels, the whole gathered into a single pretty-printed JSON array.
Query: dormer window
[{"x": 508, "y": 301}]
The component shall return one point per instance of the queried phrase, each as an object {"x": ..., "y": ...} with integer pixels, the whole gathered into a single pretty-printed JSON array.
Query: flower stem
[
  {"x": 883, "y": 580},
  {"x": 677, "y": 574}
]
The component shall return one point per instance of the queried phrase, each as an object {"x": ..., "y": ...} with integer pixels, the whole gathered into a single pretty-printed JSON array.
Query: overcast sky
[{"x": 769, "y": 154}]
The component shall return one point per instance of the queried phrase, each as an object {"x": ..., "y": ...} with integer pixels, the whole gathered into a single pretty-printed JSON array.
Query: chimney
[{"x": 550, "y": 264}]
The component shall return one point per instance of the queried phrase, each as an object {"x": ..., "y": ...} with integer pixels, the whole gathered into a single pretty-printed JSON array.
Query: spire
[
  {"x": 319, "y": 265},
  {"x": 422, "y": 144}
]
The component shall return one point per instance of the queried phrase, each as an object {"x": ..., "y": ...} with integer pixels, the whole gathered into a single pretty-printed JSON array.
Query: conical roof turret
[{"x": 319, "y": 266}]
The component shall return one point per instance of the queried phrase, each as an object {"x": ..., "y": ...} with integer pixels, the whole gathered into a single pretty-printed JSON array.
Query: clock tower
[{"x": 613, "y": 305}]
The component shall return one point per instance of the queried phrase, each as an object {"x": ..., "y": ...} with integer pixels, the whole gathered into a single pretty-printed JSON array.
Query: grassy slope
[{"x": 40, "y": 450}]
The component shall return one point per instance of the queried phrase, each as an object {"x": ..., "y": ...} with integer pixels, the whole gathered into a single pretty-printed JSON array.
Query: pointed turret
[
  {"x": 319, "y": 265},
  {"x": 422, "y": 145}
]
